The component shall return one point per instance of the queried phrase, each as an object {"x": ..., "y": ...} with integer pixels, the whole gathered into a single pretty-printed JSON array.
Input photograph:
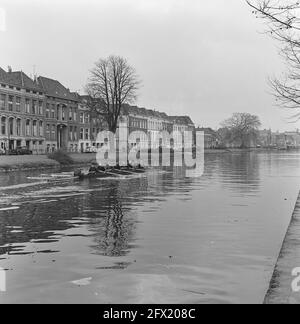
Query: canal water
[{"x": 154, "y": 238}]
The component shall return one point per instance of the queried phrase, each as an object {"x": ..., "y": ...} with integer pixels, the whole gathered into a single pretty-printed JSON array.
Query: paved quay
[
  {"x": 13, "y": 162},
  {"x": 281, "y": 291}
]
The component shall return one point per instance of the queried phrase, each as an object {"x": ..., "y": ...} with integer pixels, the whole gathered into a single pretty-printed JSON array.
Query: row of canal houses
[
  {"x": 265, "y": 139},
  {"x": 280, "y": 140},
  {"x": 44, "y": 115}
]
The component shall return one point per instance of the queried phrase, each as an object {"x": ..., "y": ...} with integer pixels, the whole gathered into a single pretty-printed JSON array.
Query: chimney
[{"x": 9, "y": 69}]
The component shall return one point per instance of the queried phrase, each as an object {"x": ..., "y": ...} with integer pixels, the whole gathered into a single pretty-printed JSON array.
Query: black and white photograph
[{"x": 149, "y": 155}]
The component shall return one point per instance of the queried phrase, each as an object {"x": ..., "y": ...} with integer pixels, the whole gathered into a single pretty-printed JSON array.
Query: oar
[{"x": 109, "y": 173}]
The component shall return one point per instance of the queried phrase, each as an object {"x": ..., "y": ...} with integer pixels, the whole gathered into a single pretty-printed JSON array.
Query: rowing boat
[{"x": 115, "y": 173}]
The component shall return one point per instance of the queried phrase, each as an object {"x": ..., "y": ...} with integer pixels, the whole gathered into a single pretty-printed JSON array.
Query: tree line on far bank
[{"x": 241, "y": 129}]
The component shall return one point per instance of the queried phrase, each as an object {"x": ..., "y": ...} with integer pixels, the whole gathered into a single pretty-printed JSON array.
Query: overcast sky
[{"x": 202, "y": 58}]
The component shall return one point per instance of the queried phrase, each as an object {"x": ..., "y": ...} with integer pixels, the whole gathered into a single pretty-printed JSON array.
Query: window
[
  {"x": 75, "y": 133},
  {"x": 3, "y": 126},
  {"x": 75, "y": 115},
  {"x": 63, "y": 113},
  {"x": 11, "y": 126},
  {"x": 48, "y": 128},
  {"x": 18, "y": 104},
  {"x": 71, "y": 133},
  {"x": 87, "y": 131},
  {"x": 47, "y": 110},
  {"x": 18, "y": 127},
  {"x": 27, "y": 127},
  {"x": 81, "y": 133},
  {"x": 81, "y": 118},
  {"x": 53, "y": 111},
  {"x": 58, "y": 112},
  {"x": 2, "y": 102},
  {"x": 27, "y": 106},
  {"x": 86, "y": 118},
  {"x": 10, "y": 103},
  {"x": 34, "y": 107},
  {"x": 70, "y": 114},
  {"x": 34, "y": 126},
  {"x": 41, "y": 107},
  {"x": 41, "y": 130}
]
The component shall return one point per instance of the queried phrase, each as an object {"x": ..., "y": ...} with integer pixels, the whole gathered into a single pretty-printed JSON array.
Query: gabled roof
[
  {"x": 185, "y": 120},
  {"x": 127, "y": 109},
  {"x": 54, "y": 88},
  {"x": 19, "y": 79},
  {"x": 2, "y": 75},
  {"x": 206, "y": 130}
]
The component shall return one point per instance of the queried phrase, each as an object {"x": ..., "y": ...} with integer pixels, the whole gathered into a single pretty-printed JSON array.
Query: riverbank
[
  {"x": 280, "y": 291},
  {"x": 33, "y": 162},
  {"x": 28, "y": 162}
]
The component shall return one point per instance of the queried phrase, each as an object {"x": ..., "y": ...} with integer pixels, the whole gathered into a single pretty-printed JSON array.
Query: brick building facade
[{"x": 22, "y": 105}]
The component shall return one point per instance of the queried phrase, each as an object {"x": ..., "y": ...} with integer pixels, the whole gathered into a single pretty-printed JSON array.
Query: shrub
[{"x": 61, "y": 157}]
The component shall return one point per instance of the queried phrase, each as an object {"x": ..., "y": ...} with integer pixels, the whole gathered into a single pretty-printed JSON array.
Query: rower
[
  {"x": 118, "y": 167},
  {"x": 78, "y": 173},
  {"x": 93, "y": 168},
  {"x": 107, "y": 168},
  {"x": 101, "y": 168}
]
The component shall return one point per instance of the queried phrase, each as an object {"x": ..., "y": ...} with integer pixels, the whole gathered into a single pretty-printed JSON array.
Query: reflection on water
[{"x": 159, "y": 237}]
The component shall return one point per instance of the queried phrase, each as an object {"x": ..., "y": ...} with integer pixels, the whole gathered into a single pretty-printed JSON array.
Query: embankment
[
  {"x": 280, "y": 291},
  {"x": 33, "y": 162}
]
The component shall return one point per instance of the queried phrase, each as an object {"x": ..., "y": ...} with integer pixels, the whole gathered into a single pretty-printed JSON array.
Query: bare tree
[
  {"x": 241, "y": 127},
  {"x": 282, "y": 18},
  {"x": 112, "y": 83}
]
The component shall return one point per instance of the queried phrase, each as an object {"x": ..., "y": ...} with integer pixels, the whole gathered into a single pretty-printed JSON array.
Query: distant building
[
  {"x": 152, "y": 124},
  {"x": 211, "y": 140},
  {"x": 269, "y": 139},
  {"x": 292, "y": 139},
  {"x": 22, "y": 104},
  {"x": 182, "y": 125},
  {"x": 61, "y": 115},
  {"x": 44, "y": 115},
  {"x": 136, "y": 122}
]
